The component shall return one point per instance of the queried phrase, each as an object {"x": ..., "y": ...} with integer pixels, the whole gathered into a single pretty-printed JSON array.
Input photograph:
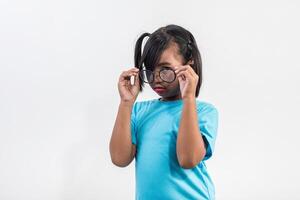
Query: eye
[{"x": 166, "y": 67}]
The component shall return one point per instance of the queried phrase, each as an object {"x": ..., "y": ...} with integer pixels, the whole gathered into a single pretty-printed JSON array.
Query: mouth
[{"x": 159, "y": 90}]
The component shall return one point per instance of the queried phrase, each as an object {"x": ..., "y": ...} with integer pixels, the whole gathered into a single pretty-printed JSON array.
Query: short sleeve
[
  {"x": 133, "y": 124},
  {"x": 208, "y": 123}
]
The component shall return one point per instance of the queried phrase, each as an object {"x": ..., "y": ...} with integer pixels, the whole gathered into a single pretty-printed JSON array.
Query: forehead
[{"x": 170, "y": 57}]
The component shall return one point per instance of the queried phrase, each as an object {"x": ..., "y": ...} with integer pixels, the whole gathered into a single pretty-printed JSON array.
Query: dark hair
[{"x": 160, "y": 40}]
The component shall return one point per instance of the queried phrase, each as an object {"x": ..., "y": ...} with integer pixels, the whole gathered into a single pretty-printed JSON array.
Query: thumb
[{"x": 136, "y": 80}]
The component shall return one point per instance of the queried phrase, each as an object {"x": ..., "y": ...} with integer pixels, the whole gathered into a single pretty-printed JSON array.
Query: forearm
[
  {"x": 190, "y": 146},
  {"x": 120, "y": 143}
]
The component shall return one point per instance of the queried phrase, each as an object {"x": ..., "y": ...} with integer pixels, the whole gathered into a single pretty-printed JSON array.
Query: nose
[{"x": 156, "y": 74}]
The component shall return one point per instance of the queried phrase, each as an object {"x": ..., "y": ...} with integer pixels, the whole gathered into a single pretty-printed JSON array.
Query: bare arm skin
[
  {"x": 122, "y": 151},
  {"x": 190, "y": 146}
]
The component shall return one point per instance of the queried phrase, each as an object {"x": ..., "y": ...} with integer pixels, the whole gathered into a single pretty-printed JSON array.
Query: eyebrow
[
  {"x": 169, "y": 65},
  {"x": 163, "y": 63}
]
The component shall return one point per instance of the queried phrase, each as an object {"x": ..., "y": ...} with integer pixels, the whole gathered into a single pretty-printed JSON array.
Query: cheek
[{"x": 174, "y": 86}]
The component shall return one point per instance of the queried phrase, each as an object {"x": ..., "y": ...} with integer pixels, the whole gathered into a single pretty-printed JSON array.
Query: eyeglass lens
[{"x": 166, "y": 75}]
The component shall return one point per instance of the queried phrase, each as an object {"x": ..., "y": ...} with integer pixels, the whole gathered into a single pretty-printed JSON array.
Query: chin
[{"x": 170, "y": 96}]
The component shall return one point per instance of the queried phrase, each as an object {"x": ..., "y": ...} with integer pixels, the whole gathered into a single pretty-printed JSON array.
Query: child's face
[{"x": 169, "y": 58}]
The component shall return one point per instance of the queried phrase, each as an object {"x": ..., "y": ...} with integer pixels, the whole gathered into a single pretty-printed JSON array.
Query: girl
[{"x": 170, "y": 137}]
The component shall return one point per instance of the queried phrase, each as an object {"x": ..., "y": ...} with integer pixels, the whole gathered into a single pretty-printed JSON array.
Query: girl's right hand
[{"x": 128, "y": 92}]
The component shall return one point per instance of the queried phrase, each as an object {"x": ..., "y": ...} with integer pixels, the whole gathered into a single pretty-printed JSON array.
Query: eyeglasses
[{"x": 166, "y": 74}]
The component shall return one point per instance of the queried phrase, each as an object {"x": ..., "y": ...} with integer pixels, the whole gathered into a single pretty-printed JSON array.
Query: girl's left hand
[{"x": 188, "y": 80}]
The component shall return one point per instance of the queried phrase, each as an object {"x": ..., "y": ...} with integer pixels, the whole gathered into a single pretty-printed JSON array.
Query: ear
[{"x": 190, "y": 62}]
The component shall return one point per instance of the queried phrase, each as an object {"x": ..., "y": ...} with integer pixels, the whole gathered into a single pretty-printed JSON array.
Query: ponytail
[
  {"x": 138, "y": 54},
  {"x": 138, "y": 49}
]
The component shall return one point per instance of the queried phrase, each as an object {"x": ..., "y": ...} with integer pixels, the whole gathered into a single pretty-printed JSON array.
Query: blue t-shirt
[{"x": 154, "y": 128}]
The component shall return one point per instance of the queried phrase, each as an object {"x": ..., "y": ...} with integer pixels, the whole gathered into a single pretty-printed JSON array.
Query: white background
[{"x": 60, "y": 61}]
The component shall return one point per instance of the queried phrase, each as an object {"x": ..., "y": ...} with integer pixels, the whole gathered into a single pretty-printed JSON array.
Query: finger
[
  {"x": 132, "y": 79},
  {"x": 180, "y": 78},
  {"x": 129, "y": 77},
  {"x": 192, "y": 73},
  {"x": 184, "y": 75},
  {"x": 130, "y": 71},
  {"x": 134, "y": 69},
  {"x": 123, "y": 76},
  {"x": 127, "y": 74},
  {"x": 136, "y": 80},
  {"x": 188, "y": 69},
  {"x": 125, "y": 79},
  {"x": 181, "y": 68}
]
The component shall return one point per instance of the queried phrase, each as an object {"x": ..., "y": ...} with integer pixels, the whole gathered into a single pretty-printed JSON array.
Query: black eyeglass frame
[{"x": 163, "y": 68}]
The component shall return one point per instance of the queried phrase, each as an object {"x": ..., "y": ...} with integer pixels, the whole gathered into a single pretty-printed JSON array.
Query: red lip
[
  {"x": 159, "y": 87},
  {"x": 159, "y": 90}
]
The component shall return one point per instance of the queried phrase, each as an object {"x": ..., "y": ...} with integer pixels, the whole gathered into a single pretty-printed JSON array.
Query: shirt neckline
[{"x": 178, "y": 101}]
